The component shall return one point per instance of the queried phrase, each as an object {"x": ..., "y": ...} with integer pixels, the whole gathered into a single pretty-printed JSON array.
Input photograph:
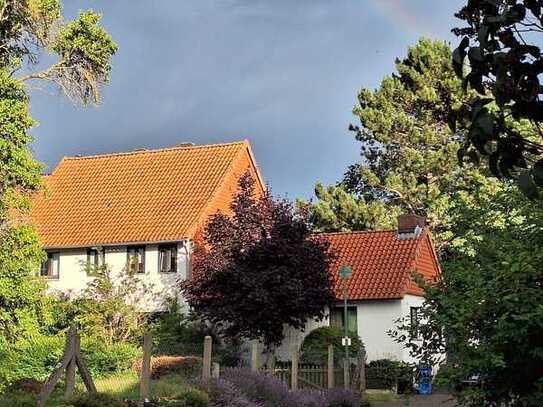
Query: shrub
[
  {"x": 222, "y": 393},
  {"x": 315, "y": 345},
  {"x": 31, "y": 386},
  {"x": 386, "y": 373},
  {"x": 36, "y": 357},
  {"x": 259, "y": 387},
  {"x": 30, "y": 358},
  {"x": 103, "y": 360},
  {"x": 185, "y": 398},
  {"x": 267, "y": 390},
  {"x": 18, "y": 399},
  {"x": 93, "y": 400},
  {"x": 163, "y": 365}
]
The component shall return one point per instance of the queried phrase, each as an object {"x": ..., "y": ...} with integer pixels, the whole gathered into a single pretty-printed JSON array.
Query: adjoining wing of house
[
  {"x": 381, "y": 288},
  {"x": 138, "y": 209}
]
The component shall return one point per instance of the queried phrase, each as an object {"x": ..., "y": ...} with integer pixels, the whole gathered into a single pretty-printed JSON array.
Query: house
[
  {"x": 381, "y": 289},
  {"x": 138, "y": 210}
]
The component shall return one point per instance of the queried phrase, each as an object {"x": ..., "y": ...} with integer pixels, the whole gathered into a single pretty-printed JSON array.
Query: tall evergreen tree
[{"x": 408, "y": 152}]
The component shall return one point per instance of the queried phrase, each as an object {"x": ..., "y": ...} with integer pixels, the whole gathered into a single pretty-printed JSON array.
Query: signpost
[{"x": 345, "y": 273}]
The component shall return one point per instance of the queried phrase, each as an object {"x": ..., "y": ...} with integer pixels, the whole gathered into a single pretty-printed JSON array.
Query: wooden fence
[{"x": 295, "y": 374}]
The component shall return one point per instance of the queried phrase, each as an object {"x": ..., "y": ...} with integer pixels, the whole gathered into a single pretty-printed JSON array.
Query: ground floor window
[
  {"x": 414, "y": 321},
  {"x": 50, "y": 268},
  {"x": 337, "y": 318}
]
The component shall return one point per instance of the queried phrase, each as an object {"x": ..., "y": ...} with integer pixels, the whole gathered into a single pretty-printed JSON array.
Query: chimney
[
  {"x": 185, "y": 145},
  {"x": 410, "y": 225}
]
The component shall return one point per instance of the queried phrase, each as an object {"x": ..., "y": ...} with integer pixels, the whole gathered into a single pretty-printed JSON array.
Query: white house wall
[
  {"x": 375, "y": 319},
  {"x": 73, "y": 278}
]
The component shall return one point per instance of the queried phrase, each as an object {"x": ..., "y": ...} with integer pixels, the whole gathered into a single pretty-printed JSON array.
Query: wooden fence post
[
  {"x": 363, "y": 371},
  {"x": 216, "y": 371},
  {"x": 272, "y": 363},
  {"x": 254, "y": 355},
  {"x": 346, "y": 375},
  {"x": 294, "y": 371},
  {"x": 69, "y": 383},
  {"x": 206, "y": 366},
  {"x": 145, "y": 368},
  {"x": 331, "y": 371}
]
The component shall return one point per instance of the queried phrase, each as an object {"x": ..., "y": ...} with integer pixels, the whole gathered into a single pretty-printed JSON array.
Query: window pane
[
  {"x": 55, "y": 264},
  {"x": 337, "y": 318},
  {"x": 136, "y": 259},
  {"x": 167, "y": 258}
]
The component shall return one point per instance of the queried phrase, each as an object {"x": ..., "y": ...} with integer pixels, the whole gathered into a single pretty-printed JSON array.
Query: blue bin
[{"x": 425, "y": 380}]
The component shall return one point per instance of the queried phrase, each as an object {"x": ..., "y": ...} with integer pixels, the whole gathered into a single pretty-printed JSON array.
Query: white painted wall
[
  {"x": 407, "y": 302},
  {"x": 375, "y": 318},
  {"x": 73, "y": 278}
]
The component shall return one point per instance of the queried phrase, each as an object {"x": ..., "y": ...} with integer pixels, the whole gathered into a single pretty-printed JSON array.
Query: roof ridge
[
  {"x": 354, "y": 232},
  {"x": 155, "y": 150}
]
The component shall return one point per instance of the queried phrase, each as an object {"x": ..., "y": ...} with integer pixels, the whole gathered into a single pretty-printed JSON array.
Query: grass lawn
[
  {"x": 123, "y": 386},
  {"x": 381, "y": 395}
]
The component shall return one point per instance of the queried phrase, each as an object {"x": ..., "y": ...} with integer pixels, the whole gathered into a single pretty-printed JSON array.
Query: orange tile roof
[
  {"x": 381, "y": 263},
  {"x": 139, "y": 196}
]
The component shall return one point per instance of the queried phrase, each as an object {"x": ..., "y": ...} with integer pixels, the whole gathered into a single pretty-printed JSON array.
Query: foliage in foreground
[
  {"x": 489, "y": 305},
  {"x": 258, "y": 270},
  {"x": 243, "y": 388},
  {"x": 501, "y": 41},
  {"x": 84, "y": 51}
]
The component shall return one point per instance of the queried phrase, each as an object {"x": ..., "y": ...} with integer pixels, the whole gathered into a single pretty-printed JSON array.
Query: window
[
  {"x": 415, "y": 318},
  {"x": 337, "y": 317},
  {"x": 136, "y": 259},
  {"x": 50, "y": 267},
  {"x": 167, "y": 258},
  {"x": 96, "y": 257}
]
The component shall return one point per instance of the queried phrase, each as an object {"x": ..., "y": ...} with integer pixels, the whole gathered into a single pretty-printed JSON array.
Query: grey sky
[{"x": 282, "y": 73}]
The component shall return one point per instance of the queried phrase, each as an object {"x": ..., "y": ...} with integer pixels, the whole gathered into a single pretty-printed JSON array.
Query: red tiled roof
[
  {"x": 381, "y": 263},
  {"x": 139, "y": 196}
]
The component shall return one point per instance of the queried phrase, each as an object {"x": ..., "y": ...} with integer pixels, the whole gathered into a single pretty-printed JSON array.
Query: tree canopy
[
  {"x": 84, "y": 50},
  {"x": 258, "y": 270},
  {"x": 408, "y": 152},
  {"x": 486, "y": 312},
  {"x": 501, "y": 45}
]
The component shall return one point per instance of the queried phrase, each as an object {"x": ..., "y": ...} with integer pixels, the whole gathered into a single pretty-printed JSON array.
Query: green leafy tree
[
  {"x": 501, "y": 43},
  {"x": 84, "y": 51},
  {"x": 107, "y": 309},
  {"x": 486, "y": 311},
  {"x": 408, "y": 152}
]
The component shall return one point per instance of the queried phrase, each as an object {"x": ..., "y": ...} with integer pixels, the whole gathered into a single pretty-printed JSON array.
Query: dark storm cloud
[{"x": 283, "y": 74}]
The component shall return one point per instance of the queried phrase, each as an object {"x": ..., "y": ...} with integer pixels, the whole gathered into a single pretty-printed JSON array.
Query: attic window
[
  {"x": 136, "y": 259},
  {"x": 167, "y": 258}
]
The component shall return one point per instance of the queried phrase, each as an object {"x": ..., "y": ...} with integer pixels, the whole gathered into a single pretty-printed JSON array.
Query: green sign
[{"x": 345, "y": 272}]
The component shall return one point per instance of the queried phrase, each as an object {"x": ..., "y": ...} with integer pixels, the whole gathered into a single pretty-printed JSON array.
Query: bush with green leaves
[
  {"x": 103, "y": 360},
  {"x": 386, "y": 374},
  {"x": 93, "y": 400},
  {"x": 315, "y": 345},
  {"x": 37, "y": 356},
  {"x": 187, "y": 397}
]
